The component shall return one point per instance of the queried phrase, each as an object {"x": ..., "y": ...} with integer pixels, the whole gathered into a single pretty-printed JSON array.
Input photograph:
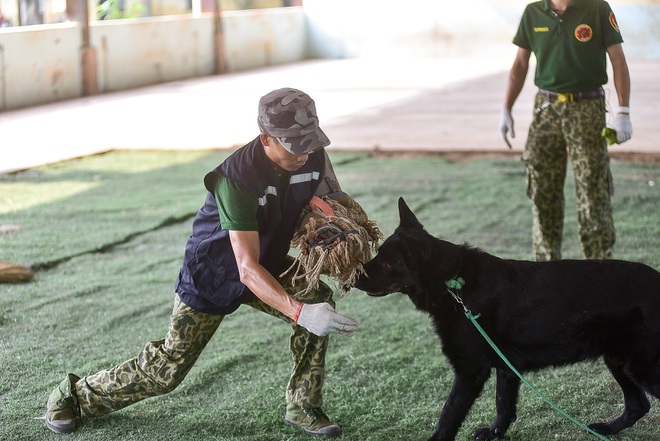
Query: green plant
[{"x": 114, "y": 10}]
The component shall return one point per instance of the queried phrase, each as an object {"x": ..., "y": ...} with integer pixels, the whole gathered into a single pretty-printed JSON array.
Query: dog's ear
[{"x": 407, "y": 217}]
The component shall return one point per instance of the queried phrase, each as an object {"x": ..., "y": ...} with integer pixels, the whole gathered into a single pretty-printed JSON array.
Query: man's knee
[{"x": 166, "y": 367}]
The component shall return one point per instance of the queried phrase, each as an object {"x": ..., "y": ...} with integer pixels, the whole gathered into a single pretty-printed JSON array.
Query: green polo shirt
[
  {"x": 237, "y": 207},
  {"x": 570, "y": 49}
]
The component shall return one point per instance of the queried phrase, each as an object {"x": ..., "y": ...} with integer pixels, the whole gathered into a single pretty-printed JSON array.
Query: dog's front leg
[
  {"x": 507, "y": 389},
  {"x": 467, "y": 385}
]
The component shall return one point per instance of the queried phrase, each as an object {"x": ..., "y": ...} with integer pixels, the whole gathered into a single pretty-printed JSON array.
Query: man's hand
[
  {"x": 506, "y": 125},
  {"x": 623, "y": 127},
  {"x": 321, "y": 319}
]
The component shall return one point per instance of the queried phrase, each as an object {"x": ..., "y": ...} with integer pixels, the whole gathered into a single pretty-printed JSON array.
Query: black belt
[{"x": 572, "y": 97}]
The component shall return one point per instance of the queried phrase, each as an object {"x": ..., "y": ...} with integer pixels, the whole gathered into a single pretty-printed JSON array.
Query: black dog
[{"x": 538, "y": 314}]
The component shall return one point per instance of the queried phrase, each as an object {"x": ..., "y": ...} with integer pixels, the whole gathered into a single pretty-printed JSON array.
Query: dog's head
[{"x": 400, "y": 258}]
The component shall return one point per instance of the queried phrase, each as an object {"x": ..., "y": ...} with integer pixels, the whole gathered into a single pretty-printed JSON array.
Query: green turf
[{"x": 107, "y": 233}]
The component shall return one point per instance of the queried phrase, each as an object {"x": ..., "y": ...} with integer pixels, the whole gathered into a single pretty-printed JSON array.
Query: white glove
[
  {"x": 506, "y": 125},
  {"x": 321, "y": 319},
  {"x": 623, "y": 127}
]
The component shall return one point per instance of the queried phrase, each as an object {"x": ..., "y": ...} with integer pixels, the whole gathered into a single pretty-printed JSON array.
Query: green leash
[{"x": 457, "y": 283}]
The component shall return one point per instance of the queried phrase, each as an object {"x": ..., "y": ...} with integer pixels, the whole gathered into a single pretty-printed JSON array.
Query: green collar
[{"x": 455, "y": 283}]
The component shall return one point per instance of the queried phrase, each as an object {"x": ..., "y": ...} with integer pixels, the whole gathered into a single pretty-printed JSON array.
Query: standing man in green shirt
[{"x": 570, "y": 40}]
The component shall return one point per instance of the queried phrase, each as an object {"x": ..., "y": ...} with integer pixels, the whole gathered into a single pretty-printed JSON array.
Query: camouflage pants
[
  {"x": 163, "y": 364},
  {"x": 560, "y": 131}
]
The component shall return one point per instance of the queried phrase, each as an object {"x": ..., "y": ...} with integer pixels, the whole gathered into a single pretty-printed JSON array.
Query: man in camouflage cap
[{"x": 236, "y": 255}]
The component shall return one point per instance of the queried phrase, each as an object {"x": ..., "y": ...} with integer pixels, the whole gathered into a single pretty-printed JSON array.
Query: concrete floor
[{"x": 431, "y": 105}]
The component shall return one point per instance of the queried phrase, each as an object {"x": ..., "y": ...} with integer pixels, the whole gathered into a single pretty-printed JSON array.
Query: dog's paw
[
  {"x": 604, "y": 428},
  {"x": 482, "y": 434},
  {"x": 485, "y": 434}
]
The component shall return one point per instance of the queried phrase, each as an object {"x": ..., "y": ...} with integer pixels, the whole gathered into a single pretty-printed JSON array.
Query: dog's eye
[{"x": 386, "y": 265}]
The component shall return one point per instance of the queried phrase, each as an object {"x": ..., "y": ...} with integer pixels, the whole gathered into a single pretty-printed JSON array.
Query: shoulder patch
[
  {"x": 613, "y": 22},
  {"x": 583, "y": 33}
]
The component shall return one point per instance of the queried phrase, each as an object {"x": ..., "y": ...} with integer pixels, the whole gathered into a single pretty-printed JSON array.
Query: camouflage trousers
[
  {"x": 560, "y": 131},
  {"x": 163, "y": 364}
]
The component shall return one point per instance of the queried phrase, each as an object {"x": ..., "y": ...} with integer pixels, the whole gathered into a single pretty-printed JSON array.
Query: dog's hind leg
[
  {"x": 636, "y": 403},
  {"x": 646, "y": 370},
  {"x": 508, "y": 387},
  {"x": 651, "y": 380},
  {"x": 468, "y": 383}
]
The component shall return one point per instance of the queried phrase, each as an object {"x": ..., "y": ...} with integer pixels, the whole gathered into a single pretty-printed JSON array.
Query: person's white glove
[
  {"x": 321, "y": 319},
  {"x": 623, "y": 127},
  {"x": 506, "y": 125}
]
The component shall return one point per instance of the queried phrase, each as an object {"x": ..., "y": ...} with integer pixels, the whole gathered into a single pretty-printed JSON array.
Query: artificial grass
[{"x": 107, "y": 233}]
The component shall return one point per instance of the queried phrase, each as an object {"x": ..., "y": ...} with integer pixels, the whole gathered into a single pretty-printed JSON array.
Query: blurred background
[
  {"x": 78, "y": 77},
  {"x": 52, "y": 50}
]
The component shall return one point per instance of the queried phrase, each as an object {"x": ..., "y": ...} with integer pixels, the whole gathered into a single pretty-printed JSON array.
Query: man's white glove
[
  {"x": 623, "y": 127},
  {"x": 506, "y": 125},
  {"x": 321, "y": 319}
]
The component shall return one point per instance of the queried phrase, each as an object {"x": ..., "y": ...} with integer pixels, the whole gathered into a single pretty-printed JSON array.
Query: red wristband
[{"x": 299, "y": 311}]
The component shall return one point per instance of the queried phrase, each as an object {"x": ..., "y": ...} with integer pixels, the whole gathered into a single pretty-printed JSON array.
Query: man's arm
[
  {"x": 318, "y": 318},
  {"x": 515, "y": 83},
  {"x": 256, "y": 277},
  {"x": 237, "y": 209},
  {"x": 329, "y": 184},
  {"x": 517, "y": 76},
  {"x": 621, "y": 74},
  {"x": 621, "y": 122}
]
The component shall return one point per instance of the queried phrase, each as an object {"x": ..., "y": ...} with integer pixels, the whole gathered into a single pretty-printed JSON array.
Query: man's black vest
[{"x": 209, "y": 279}]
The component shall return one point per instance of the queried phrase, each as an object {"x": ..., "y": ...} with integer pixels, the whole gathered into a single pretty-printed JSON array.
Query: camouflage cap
[{"x": 289, "y": 115}]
